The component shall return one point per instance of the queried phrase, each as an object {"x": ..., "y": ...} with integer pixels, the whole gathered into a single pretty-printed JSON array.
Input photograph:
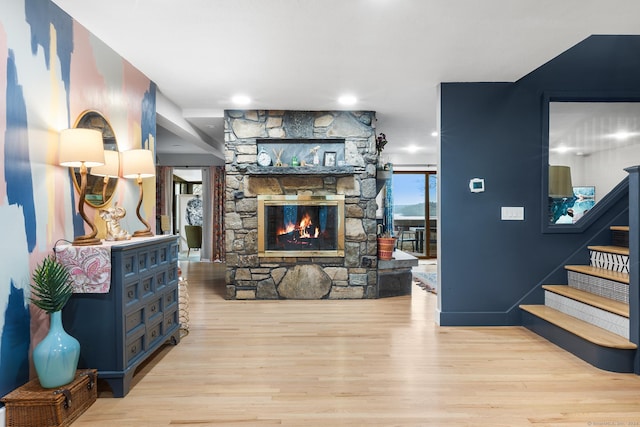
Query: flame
[{"x": 303, "y": 228}]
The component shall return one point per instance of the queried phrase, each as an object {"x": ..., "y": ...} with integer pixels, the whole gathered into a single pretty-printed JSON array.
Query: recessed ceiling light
[
  {"x": 241, "y": 100},
  {"x": 622, "y": 135},
  {"x": 434, "y": 133},
  {"x": 561, "y": 149},
  {"x": 347, "y": 100},
  {"x": 412, "y": 148}
]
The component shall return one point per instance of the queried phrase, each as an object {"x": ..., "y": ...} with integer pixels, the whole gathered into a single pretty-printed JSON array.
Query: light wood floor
[{"x": 358, "y": 363}]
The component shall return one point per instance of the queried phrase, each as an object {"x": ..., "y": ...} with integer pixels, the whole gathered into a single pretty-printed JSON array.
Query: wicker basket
[{"x": 34, "y": 406}]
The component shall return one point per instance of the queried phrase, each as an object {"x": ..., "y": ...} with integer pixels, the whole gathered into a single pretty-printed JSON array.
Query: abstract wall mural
[{"x": 51, "y": 70}]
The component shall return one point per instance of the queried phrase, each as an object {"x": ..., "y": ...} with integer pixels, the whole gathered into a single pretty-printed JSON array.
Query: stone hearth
[{"x": 250, "y": 276}]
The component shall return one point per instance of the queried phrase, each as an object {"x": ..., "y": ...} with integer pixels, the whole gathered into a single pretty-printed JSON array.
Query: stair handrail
[{"x": 634, "y": 260}]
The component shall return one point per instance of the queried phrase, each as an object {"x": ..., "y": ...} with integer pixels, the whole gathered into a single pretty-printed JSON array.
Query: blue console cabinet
[{"x": 118, "y": 330}]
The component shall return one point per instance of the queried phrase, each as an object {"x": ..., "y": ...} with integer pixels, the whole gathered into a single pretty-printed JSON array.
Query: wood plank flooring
[{"x": 358, "y": 363}]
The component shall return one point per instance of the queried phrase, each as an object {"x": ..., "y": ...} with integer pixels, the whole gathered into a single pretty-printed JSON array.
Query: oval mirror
[{"x": 101, "y": 180}]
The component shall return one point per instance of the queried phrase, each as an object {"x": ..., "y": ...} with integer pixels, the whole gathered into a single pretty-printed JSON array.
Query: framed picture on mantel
[{"x": 330, "y": 158}]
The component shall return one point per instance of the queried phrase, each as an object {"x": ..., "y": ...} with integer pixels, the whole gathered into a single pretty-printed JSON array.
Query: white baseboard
[{"x": 2, "y": 417}]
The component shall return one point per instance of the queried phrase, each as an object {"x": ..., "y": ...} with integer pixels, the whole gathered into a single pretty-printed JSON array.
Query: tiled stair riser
[
  {"x": 598, "y": 286},
  {"x": 613, "y": 262},
  {"x": 611, "y": 322}
]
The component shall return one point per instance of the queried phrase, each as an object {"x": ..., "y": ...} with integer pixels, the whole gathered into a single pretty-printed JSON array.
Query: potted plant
[
  {"x": 56, "y": 356},
  {"x": 386, "y": 245}
]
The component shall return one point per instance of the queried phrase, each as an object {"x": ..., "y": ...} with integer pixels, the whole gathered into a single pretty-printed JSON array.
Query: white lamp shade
[
  {"x": 78, "y": 146},
  {"x": 560, "y": 185},
  {"x": 138, "y": 163},
  {"x": 111, "y": 165}
]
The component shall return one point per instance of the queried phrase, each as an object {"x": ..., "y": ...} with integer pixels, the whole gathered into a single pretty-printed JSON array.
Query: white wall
[{"x": 603, "y": 169}]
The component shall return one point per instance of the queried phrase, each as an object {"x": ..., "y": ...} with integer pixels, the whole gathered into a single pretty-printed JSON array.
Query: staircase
[{"x": 590, "y": 316}]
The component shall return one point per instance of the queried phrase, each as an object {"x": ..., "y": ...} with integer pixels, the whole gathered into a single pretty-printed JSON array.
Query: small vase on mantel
[{"x": 56, "y": 356}]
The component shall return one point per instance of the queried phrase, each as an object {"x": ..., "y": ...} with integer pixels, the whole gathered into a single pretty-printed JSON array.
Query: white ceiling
[{"x": 304, "y": 54}]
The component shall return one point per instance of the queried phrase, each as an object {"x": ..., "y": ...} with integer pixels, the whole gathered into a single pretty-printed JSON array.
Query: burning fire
[{"x": 304, "y": 229}]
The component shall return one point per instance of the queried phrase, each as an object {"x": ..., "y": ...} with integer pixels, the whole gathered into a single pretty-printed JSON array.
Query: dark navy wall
[{"x": 494, "y": 131}]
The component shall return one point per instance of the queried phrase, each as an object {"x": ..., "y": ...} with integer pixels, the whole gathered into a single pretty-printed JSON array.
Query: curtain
[
  {"x": 388, "y": 203},
  {"x": 164, "y": 196},
  {"x": 207, "y": 215},
  {"x": 218, "y": 183}
]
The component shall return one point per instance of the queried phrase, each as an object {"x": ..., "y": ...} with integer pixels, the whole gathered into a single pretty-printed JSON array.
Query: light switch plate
[{"x": 512, "y": 213}]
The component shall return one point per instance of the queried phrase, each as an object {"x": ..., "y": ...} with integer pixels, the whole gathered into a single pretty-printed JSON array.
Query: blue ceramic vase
[{"x": 56, "y": 356}]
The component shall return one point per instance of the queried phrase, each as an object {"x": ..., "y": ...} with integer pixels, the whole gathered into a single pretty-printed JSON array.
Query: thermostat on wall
[{"x": 476, "y": 185}]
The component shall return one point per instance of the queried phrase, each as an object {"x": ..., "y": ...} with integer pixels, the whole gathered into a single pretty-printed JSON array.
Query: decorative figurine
[
  {"x": 278, "y": 162},
  {"x": 316, "y": 157},
  {"x": 112, "y": 217}
]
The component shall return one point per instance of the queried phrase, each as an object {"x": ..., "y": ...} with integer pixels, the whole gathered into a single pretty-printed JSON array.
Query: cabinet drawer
[
  {"x": 143, "y": 261},
  {"x": 131, "y": 294},
  {"x": 129, "y": 264},
  {"x": 171, "y": 320},
  {"x": 170, "y": 299},
  {"x": 147, "y": 287},
  {"x": 174, "y": 250},
  {"x": 155, "y": 333},
  {"x": 133, "y": 320},
  {"x": 172, "y": 275},
  {"x": 161, "y": 280},
  {"x": 163, "y": 254},
  {"x": 154, "y": 310},
  {"x": 153, "y": 258},
  {"x": 134, "y": 348}
]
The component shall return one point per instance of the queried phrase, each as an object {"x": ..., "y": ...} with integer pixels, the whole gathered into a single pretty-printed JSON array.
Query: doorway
[
  {"x": 415, "y": 220},
  {"x": 188, "y": 212}
]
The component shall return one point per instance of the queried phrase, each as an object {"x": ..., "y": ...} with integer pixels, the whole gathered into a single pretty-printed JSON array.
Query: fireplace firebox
[{"x": 301, "y": 226}]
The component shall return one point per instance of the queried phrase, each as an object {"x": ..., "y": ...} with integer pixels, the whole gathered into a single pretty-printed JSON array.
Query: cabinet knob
[
  {"x": 134, "y": 349},
  {"x": 130, "y": 294}
]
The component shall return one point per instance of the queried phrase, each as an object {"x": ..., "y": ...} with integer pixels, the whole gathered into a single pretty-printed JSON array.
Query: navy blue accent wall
[
  {"x": 14, "y": 356},
  {"x": 494, "y": 131}
]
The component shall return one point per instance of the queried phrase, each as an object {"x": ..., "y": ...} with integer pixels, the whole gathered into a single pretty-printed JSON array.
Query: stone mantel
[{"x": 299, "y": 170}]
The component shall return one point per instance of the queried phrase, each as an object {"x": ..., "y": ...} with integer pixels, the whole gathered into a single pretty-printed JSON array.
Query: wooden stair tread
[
  {"x": 619, "y": 228},
  {"x": 603, "y": 273},
  {"x": 603, "y": 303},
  {"x": 619, "y": 250},
  {"x": 580, "y": 328}
]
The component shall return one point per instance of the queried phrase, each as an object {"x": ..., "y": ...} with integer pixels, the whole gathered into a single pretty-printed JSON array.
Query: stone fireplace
[{"x": 305, "y": 229}]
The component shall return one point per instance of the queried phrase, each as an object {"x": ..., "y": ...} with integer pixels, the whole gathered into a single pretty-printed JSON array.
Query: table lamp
[
  {"x": 561, "y": 197},
  {"x": 139, "y": 164},
  {"x": 82, "y": 148},
  {"x": 110, "y": 168}
]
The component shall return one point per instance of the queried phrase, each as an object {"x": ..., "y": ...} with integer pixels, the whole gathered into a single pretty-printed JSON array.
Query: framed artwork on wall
[
  {"x": 330, "y": 158},
  {"x": 585, "y": 200}
]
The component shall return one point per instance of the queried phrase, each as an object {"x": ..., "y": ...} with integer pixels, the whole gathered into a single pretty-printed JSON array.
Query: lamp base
[
  {"x": 86, "y": 241},
  {"x": 142, "y": 233}
]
